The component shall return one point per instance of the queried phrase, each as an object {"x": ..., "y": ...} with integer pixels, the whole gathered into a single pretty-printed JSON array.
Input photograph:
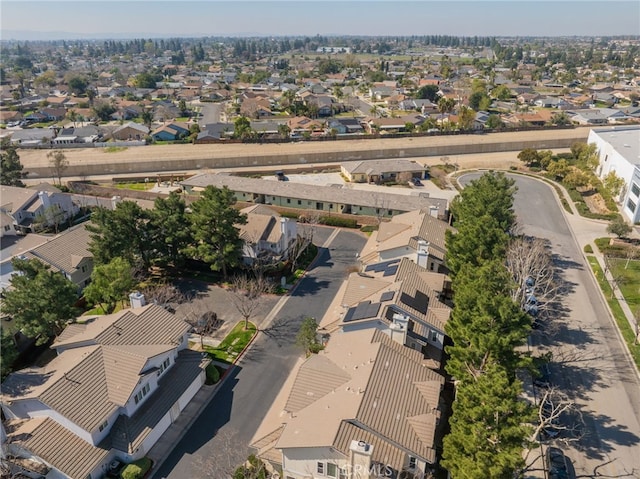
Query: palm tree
[
  {"x": 375, "y": 110},
  {"x": 446, "y": 105}
]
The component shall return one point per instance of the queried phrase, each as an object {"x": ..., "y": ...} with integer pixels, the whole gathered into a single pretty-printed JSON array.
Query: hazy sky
[{"x": 307, "y": 17}]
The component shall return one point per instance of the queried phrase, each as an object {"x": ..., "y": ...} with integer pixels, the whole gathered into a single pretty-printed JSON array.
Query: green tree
[
  {"x": 9, "y": 353},
  {"x": 486, "y": 325},
  {"x": 147, "y": 117},
  {"x": 40, "y": 301},
  {"x": 501, "y": 92},
  {"x": 529, "y": 156},
  {"x": 213, "y": 225},
  {"x": 58, "y": 163},
  {"x": 559, "y": 168},
  {"x": 619, "y": 227},
  {"x": 77, "y": 85},
  {"x": 479, "y": 101},
  {"x": 488, "y": 428},
  {"x": 122, "y": 232},
  {"x": 147, "y": 80},
  {"x": 241, "y": 128},
  {"x": 110, "y": 283},
  {"x": 103, "y": 110},
  {"x": 11, "y": 173},
  {"x": 494, "y": 121},
  {"x": 586, "y": 155},
  {"x": 283, "y": 130},
  {"x": 446, "y": 105},
  {"x": 428, "y": 92},
  {"x": 560, "y": 119},
  {"x": 307, "y": 336},
  {"x": 466, "y": 118},
  {"x": 613, "y": 183},
  {"x": 169, "y": 226}
]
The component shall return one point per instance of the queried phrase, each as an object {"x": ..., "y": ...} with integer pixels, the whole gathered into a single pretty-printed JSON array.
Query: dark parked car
[
  {"x": 281, "y": 176},
  {"x": 115, "y": 468},
  {"x": 416, "y": 181},
  {"x": 558, "y": 465},
  {"x": 543, "y": 377}
]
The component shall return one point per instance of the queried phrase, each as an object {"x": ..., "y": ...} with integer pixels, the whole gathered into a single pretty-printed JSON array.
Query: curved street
[
  {"x": 232, "y": 417},
  {"x": 590, "y": 361}
]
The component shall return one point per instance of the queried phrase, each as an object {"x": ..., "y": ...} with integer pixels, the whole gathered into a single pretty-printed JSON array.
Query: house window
[
  {"x": 299, "y": 202},
  {"x": 635, "y": 189},
  {"x": 84, "y": 269},
  {"x": 332, "y": 470},
  {"x": 7, "y": 227},
  {"x": 434, "y": 336},
  {"x": 142, "y": 393},
  {"x": 631, "y": 205},
  {"x": 320, "y": 468},
  {"x": 344, "y": 474},
  {"x": 164, "y": 366},
  {"x": 103, "y": 426},
  {"x": 288, "y": 200},
  {"x": 412, "y": 462}
]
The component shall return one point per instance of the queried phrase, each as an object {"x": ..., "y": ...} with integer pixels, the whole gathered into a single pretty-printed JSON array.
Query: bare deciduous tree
[
  {"x": 535, "y": 276},
  {"x": 59, "y": 163},
  {"x": 246, "y": 293}
]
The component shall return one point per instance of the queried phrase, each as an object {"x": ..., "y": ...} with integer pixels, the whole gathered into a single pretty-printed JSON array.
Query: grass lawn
[
  {"x": 233, "y": 343},
  {"x": 135, "y": 186},
  {"x": 98, "y": 309},
  {"x": 623, "y": 325},
  {"x": 628, "y": 280}
]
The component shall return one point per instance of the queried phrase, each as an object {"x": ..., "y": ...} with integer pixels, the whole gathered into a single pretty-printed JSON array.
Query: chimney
[
  {"x": 114, "y": 201},
  {"x": 44, "y": 198},
  {"x": 360, "y": 456},
  {"x": 398, "y": 328},
  {"x": 422, "y": 253},
  {"x": 137, "y": 299}
]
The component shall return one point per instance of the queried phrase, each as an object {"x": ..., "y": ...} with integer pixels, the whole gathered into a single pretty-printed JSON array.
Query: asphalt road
[
  {"x": 590, "y": 363},
  {"x": 244, "y": 399},
  {"x": 210, "y": 113}
]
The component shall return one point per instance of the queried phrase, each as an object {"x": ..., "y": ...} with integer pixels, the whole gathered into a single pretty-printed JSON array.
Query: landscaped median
[
  {"x": 233, "y": 344},
  {"x": 621, "y": 320}
]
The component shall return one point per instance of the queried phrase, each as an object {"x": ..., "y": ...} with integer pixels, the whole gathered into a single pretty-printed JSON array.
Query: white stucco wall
[{"x": 301, "y": 463}]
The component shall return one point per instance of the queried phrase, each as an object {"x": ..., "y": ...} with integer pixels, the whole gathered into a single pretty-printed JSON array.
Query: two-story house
[
  {"x": 39, "y": 207},
  {"x": 266, "y": 234},
  {"x": 365, "y": 405},
  {"x": 118, "y": 382}
]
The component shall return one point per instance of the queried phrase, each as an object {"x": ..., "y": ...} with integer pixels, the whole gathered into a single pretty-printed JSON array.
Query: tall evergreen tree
[
  {"x": 170, "y": 226},
  {"x": 40, "y": 301},
  {"x": 489, "y": 428},
  {"x": 122, "y": 232},
  {"x": 213, "y": 225},
  {"x": 11, "y": 173}
]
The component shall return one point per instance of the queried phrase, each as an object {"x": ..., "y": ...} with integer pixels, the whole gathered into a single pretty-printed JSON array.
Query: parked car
[
  {"x": 281, "y": 176},
  {"x": 416, "y": 181},
  {"x": 543, "y": 377},
  {"x": 115, "y": 468},
  {"x": 551, "y": 429},
  {"x": 558, "y": 465}
]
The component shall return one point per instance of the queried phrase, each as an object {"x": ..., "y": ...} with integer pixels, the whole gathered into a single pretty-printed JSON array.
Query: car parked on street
[{"x": 558, "y": 465}]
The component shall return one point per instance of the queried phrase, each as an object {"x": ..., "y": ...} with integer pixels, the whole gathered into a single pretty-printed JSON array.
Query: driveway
[
  {"x": 210, "y": 113},
  {"x": 590, "y": 361},
  {"x": 234, "y": 414}
]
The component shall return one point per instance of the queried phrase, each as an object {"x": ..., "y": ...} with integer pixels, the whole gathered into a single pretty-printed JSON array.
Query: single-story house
[
  {"x": 170, "y": 132},
  {"x": 380, "y": 171},
  {"x": 130, "y": 131}
]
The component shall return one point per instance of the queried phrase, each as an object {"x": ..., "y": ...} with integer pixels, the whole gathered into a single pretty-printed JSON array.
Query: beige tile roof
[
  {"x": 391, "y": 394},
  {"x": 359, "y": 288},
  {"x": 405, "y": 230},
  {"x": 384, "y": 452},
  {"x": 338, "y": 195},
  {"x": 13, "y": 198},
  {"x": 57, "y": 445},
  {"x": 378, "y": 167},
  {"x": 317, "y": 377},
  {"x": 65, "y": 251},
  {"x": 136, "y": 326}
]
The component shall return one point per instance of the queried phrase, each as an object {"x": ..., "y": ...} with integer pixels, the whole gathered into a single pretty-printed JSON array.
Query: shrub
[
  {"x": 137, "y": 469},
  {"x": 213, "y": 375},
  {"x": 290, "y": 214},
  {"x": 588, "y": 249},
  {"x": 369, "y": 228},
  {"x": 337, "y": 221}
]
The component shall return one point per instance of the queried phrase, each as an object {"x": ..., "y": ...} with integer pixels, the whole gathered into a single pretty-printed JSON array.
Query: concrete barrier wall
[{"x": 107, "y": 167}]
